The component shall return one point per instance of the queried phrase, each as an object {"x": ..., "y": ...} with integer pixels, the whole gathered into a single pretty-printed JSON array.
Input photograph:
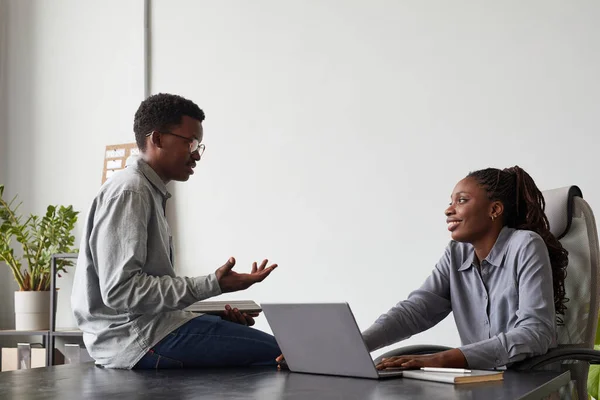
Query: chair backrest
[{"x": 572, "y": 222}]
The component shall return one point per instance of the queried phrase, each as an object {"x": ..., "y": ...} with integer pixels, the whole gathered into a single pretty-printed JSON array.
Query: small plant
[
  {"x": 593, "y": 383},
  {"x": 39, "y": 238}
]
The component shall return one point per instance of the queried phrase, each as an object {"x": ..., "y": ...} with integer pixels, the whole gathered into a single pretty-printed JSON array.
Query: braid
[{"x": 524, "y": 207}]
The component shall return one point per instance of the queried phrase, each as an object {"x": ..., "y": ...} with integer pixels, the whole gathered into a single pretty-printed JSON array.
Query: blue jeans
[{"x": 210, "y": 341}]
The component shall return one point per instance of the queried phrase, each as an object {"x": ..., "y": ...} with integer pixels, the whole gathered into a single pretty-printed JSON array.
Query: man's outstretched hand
[{"x": 231, "y": 281}]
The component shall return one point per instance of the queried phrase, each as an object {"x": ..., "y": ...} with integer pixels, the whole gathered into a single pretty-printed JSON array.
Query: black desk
[{"x": 85, "y": 381}]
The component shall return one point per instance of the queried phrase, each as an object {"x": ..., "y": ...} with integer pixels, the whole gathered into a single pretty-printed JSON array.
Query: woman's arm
[
  {"x": 535, "y": 329},
  {"x": 422, "y": 309},
  {"x": 533, "y": 333}
]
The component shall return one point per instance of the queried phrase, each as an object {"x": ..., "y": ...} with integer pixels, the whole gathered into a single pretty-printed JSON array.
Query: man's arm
[{"x": 119, "y": 247}]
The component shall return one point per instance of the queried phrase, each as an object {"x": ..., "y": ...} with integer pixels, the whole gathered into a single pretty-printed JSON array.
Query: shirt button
[{"x": 486, "y": 322}]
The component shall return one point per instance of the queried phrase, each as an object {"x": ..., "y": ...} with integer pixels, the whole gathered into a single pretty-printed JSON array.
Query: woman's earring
[{"x": 493, "y": 217}]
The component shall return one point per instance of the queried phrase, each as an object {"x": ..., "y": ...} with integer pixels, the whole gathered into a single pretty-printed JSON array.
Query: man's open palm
[{"x": 231, "y": 281}]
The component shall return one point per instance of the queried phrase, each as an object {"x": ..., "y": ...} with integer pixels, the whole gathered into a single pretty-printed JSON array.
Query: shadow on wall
[
  {"x": 6, "y": 289},
  {"x": 172, "y": 218},
  {"x": 16, "y": 56}
]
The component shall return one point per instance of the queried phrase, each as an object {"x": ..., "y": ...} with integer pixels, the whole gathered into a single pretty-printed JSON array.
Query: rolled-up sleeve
[
  {"x": 422, "y": 309},
  {"x": 118, "y": 244},
  {"x": 534, "y": 331}
]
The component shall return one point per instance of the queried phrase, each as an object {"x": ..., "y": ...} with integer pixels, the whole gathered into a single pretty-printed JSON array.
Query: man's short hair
[{"x": 161, "y": 112}]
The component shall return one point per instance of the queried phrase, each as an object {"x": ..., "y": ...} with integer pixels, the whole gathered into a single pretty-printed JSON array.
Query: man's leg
[{"x": 210, "y": 341}]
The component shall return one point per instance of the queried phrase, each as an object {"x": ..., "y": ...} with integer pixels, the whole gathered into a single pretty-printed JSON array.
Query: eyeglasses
[{"x": 195, "y": 144}]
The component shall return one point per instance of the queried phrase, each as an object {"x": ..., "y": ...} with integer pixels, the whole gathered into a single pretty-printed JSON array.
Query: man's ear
[{"x": 156, "y": 139}]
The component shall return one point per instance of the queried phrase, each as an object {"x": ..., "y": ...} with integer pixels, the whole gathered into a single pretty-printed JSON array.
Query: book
[
  {"x": 454, "y": 377},
  {"x": 216, "y": 307}
]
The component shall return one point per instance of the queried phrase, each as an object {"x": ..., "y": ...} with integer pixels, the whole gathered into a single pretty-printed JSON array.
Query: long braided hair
[{"x": 524, "y": 207}]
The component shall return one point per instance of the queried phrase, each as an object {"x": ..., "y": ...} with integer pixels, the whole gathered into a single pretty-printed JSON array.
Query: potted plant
[{"x": 37, "y": 238}]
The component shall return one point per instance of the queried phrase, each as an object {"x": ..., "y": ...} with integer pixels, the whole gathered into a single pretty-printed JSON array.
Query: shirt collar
[
  {"x": 497, "y": 253},
  {"x": 150, "y": 174},
  {"x": 469, "y": 260}
]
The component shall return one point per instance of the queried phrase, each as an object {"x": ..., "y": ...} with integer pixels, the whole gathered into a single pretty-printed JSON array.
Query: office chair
[{"x": 572, "y": 222}]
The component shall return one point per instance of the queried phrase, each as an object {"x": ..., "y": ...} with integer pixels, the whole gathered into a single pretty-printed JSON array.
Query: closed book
[
  {"x": 473, "y": 376},
  {"x": 215, "y": 307}
]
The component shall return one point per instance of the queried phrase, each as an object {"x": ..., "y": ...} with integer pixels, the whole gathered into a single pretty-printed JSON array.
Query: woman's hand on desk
[
  {"x": 234, "y": 315},
  {"x": 446, "y": 359}
]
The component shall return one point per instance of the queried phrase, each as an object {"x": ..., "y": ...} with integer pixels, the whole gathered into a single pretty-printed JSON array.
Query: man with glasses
[{"x": 126, "y": 297}]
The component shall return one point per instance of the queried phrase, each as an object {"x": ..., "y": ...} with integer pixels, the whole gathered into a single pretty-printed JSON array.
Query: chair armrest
[
  {"x": 559, "y": 354},
  {"x": 412, "y": 350}
]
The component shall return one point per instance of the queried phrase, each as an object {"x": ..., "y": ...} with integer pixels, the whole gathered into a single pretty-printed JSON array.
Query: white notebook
[
  {"x": 474, "y": 375},
  {"x": 215, "y": 307}
]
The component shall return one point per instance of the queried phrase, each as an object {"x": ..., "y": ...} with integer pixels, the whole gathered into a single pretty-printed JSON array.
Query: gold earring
[{"x": 493, "y": 217}]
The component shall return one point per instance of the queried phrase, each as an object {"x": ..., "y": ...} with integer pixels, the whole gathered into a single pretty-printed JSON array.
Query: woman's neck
[{"x": 484, "y": 245}]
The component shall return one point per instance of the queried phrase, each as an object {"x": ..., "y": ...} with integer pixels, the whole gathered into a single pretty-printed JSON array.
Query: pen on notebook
[{"x": 451, "y": 370}]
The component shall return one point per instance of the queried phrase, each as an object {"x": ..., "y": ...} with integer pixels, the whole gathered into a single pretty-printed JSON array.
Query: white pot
[{"x": 32, "y": 311}]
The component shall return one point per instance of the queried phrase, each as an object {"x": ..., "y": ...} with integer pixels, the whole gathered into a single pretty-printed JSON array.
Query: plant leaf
[
  {"x": 39, "y": 239},
  {"x": 593, "y": 382}
]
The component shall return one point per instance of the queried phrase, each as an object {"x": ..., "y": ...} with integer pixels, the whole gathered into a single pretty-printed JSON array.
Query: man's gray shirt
[
  {"x": 126, "y": 297},
  {"x": 504, "y": 312}
]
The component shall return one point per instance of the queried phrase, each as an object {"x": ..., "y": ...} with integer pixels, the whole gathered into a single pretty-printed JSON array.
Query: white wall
[
  {"x": 76, "y": 79},
  {"x": 336, "y": 130}
]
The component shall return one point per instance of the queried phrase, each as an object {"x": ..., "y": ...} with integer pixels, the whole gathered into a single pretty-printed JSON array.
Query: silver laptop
[{"x": 322, "y": 338}]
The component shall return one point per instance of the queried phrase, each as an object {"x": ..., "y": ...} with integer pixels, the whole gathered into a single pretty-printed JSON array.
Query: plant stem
[
  {"x": 42, "y": 238},
  {"x": 16, "y": 222},
  {"x": 12, "y": 263}
]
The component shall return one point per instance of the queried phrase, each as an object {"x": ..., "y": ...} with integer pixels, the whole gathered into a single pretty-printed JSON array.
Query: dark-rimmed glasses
[{"x": 195, "y": 144}]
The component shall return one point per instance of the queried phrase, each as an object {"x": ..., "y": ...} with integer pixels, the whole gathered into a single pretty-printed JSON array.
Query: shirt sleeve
[
  {"x": 422, "y": 309},
  {"x": 535, "y": 329},
  {"x": 118, "y": 244}
]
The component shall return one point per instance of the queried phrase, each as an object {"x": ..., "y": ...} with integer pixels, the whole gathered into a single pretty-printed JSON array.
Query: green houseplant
[
  {"x": 593, "y": 384},
  {"x": 38, "y": 238}
]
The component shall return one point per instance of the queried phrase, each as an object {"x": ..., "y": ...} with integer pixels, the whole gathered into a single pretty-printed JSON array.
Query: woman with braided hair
[{"x": 502, "y": 276}]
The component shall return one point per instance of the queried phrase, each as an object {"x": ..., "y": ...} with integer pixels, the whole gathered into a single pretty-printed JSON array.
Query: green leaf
[
  {"x": 5, "y": 228},
  {"x": 593, "y": 382}
]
